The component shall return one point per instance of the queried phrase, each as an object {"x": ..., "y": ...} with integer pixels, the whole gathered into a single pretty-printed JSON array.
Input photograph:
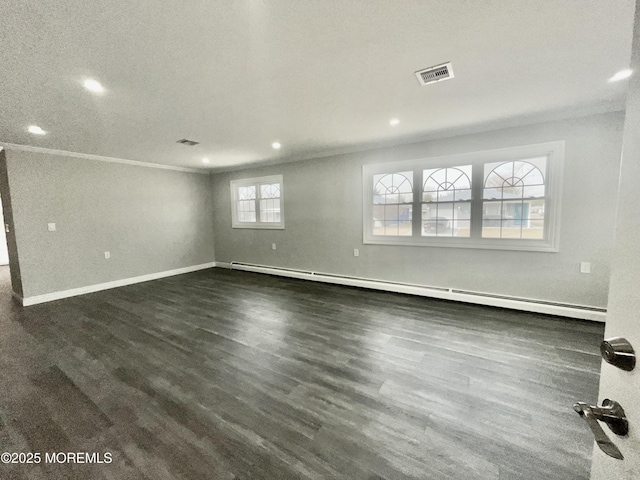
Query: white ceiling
[{"x": 320, "y": 76}]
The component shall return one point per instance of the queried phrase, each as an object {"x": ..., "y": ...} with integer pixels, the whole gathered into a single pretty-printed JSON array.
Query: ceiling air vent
[
  {"x": 188, "y": 143},
  {"x": 435, "y": 74}
]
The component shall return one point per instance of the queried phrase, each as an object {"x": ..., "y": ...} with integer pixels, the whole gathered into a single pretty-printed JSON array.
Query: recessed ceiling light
[
  {"x": 36, "y": 130},
  {"x": 393, "y": 122},
  {"x": 621, "y": 75},
  {"x": 205, "y": 160},
  {"x": 276, "y": 145},
  {"x": 93, "y": 85}
]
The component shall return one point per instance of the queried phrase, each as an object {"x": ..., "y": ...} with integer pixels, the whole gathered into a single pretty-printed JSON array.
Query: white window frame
[
  {"x": 257, "y": 182},
  {"x": 554, "y": 151}
]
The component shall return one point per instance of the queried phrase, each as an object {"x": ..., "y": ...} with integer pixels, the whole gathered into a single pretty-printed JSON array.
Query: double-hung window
[
  {"x": 500, "y": 199},
  {"x": 257, "y": 202}
]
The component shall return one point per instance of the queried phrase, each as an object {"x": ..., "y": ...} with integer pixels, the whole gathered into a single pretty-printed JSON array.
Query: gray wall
[
  {"x": 323, "y": 218},
  {"x": 151, "y": 220}
]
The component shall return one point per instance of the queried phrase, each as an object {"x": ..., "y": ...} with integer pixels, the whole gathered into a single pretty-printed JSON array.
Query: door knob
[
  {"x": 610, "y": 413},
  {"x": 618, "y": 352}
]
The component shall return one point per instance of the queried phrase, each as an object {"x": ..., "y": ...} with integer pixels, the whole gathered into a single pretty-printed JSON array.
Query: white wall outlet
[
  {"x": 6, "y": 228},
  {"x": 585, "y": 267},
  {"x": 356, "y": 252},
  {"x": 273, "y": 246},
  {"x": 51, "y": 227},
  {"x": 107, "y": 255}
]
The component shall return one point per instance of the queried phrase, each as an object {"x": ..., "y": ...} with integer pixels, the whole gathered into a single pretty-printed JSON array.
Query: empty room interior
[{"x": 325, "y": 239}]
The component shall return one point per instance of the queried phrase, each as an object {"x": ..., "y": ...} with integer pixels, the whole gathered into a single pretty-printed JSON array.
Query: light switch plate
[
  {"x": 356, "y": 252},
  {"x": 585, "y": 267},
  {"x": 107, "y": 255},
  {"x": 51, "y": 227},
  {"x": 273, "y": 246}
]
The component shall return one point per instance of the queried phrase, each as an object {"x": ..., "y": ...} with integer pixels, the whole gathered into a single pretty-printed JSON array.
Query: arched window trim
[
  {"x": 451, "y": 184},
  {"x": 533, "y": 168},
  {"x": 392, "y": 189}
]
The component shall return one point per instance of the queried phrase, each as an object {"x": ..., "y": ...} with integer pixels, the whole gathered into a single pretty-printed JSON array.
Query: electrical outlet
[
  {"x": 356, "y": 252},
  {"x": 107, "y": 255},
  {"x": 273, "y": 246},
  {"x": 51, "y": 227},
  {"x": 585, "y": 267}
]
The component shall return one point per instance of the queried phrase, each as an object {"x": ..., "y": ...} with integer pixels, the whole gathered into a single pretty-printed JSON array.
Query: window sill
[
  {"x": 259, "y": 226},
  {"x": 466, "y": 243}
]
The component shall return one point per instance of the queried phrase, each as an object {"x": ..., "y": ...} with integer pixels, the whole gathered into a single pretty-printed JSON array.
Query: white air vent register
[
  {"x": 435, "y": 74},
  {"x": 188, "y": 143}
]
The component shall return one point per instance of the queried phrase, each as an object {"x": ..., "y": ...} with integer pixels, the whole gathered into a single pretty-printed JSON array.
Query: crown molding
[{"x": 100, "y": 158}]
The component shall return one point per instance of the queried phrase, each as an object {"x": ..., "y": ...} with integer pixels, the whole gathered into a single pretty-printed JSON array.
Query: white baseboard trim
[
  {"x": 529, "y": 305},
  {"x": 49, "y": 297}
]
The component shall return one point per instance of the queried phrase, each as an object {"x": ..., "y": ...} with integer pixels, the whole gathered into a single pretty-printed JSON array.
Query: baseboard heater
[{"x": 504, "y": 301}]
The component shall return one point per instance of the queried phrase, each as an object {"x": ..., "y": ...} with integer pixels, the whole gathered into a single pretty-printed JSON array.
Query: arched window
[
  {"x": 246, "y": 204},
  {"x": 446, "y": 197},
  {"x": 507, "y": 198},
  {"x": 392, "y": 204},
  {"x": 514, "y": 199},
  {"x": 257, "y": 202},
  {"x": 270, "y": 202}
]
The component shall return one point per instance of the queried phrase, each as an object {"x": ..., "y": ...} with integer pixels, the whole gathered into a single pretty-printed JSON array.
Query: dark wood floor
[{"x": 223, "y": 374}]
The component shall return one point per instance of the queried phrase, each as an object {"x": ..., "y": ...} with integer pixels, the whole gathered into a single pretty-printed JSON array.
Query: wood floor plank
[{"x": 232, "y": 375}]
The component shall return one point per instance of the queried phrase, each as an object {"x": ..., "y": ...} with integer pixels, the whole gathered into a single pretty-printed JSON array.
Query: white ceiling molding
[{"x": 100, "y": 158}]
